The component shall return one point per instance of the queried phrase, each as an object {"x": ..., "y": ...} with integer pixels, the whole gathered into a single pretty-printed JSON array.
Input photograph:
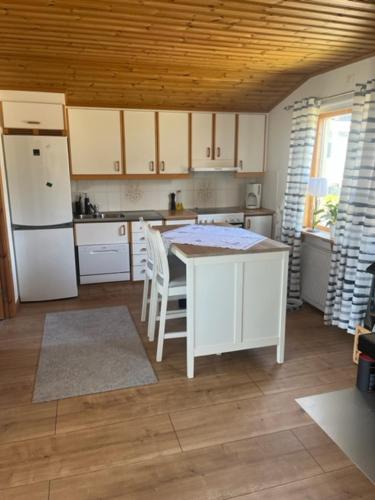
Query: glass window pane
[{"x": 332, "y": 155}]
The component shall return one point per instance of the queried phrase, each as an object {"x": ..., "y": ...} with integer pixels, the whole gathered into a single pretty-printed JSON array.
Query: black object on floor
[
  {"x": 370, "y": 314},
  {"x": 366, "y": 373},
  {"x": 366, "y": 344}
]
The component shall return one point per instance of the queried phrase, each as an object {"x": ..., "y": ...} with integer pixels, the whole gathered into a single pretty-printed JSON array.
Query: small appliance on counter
[{"x": 253, "y": 195}]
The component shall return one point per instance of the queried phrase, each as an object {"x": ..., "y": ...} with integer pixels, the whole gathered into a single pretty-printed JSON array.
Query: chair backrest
[
  {"x": 149, "y": 250},
  {"x": 160, "y": 257}
]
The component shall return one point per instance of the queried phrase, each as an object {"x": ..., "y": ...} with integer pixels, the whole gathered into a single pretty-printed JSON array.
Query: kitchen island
[{"x": 235, "y": 299}]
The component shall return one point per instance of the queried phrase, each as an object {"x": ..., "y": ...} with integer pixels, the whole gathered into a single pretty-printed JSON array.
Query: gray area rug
[
  {"x": 89, "y": 351},
  {"x": 348, "y": 417}
]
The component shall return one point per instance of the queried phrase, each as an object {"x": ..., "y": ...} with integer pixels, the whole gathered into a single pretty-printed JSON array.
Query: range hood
[{"x": 214, "y": 169}]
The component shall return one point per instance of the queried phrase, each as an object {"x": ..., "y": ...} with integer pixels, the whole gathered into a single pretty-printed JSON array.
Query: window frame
[{"x": 309, "y": 203}]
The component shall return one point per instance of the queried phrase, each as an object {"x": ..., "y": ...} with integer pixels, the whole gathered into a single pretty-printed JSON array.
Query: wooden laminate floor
[{"x": 234, "y": 431}]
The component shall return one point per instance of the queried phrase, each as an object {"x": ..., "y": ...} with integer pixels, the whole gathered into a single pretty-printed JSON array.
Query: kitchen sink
[
  {"x": 111, "y": 215},
  {"x": 102, "y": 215}
]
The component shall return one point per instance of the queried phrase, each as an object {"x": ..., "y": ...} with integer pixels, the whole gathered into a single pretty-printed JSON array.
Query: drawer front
[
  {"x": 138, "y": 237},
  {"x": 179, "y": 222},
  {"x": 139, "y": 248},
  {"x": 104, "y": 278},
  {"x": 137, "y": 226},
  {"x": 101, "y": 233},
  {"x": 139, "y": 259},
  {"x": 103, "y": 259},
  {"x": 33, "y": 115},
  {"x": 139, "y": 273}
]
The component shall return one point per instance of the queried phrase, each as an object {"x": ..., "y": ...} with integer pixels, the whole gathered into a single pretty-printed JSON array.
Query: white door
[
  {"x": 173, "y": 142},
  {"x": 140, "y": 142},
  {"x": 201, "y": 140},
  {"x": 261, "y": 224},
  {"x": 224, "y": 139},
  {"x": 95, "y": 141},
  {"x": 45, "y": 264},
  {"x": 251, "y": 135},
  {"x": 38, "y": 180}
]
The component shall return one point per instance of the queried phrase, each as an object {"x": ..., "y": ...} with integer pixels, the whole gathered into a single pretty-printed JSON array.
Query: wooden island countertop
[{"x": 193, "y": 251}]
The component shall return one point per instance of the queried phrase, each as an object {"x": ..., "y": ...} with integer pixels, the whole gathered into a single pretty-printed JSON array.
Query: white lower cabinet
[
  {"x": 139, "y": 249},
  {"x": 103, "y": 252},
  {"x": 261, "y": 224}
]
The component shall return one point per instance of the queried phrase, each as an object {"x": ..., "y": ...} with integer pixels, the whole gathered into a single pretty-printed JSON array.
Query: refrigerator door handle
[{"x": 19, "y": 227}]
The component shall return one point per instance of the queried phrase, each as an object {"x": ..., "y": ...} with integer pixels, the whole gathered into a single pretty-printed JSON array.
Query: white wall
[
  {"x": 201, "y": 190},
  {"x": 7, "y": 217},
  {"x": 330, "y": 83}
]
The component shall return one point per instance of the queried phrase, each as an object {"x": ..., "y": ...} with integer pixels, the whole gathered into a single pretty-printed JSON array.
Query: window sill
[{"x": 321, "y": 235}]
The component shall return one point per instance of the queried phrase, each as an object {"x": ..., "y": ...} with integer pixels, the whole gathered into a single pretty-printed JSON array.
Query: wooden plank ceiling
[{"x": 184, "y": 54}]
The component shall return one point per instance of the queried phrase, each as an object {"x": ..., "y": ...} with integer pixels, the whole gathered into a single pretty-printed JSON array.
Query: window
[{"x": 328, "y": 163}]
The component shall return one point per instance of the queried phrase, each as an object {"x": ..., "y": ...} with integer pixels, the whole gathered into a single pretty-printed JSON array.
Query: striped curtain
[
  {"x": 354, "y": 248},
  {"x": 304, "y": 128}
]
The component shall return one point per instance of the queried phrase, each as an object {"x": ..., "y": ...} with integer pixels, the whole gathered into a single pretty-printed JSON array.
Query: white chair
[
  {"x": 149, "y": 272},
  {"x": 165, "y": 289},
  {"x": 176, "y": 267}
]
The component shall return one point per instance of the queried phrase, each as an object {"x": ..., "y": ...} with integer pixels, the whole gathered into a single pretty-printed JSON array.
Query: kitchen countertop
[
  {"x": 258, "y": 211},
  {"x": 178, "y": 214},
  {"x": 130, "y": 216},
  {"x": 127, "y": 216}
]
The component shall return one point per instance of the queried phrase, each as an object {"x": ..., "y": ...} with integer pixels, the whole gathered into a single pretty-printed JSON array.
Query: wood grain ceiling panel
[{"x": 179, "y": 54}]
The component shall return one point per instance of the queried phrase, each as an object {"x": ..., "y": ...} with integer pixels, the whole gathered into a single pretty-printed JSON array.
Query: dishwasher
[{"x": 104, "y": 263}]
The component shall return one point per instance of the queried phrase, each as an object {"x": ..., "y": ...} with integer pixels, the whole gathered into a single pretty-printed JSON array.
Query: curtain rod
[{"x": 349, "y": 92}]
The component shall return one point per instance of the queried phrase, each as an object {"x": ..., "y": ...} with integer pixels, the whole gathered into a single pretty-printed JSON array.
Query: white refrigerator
[{"x": 38, "y": 179}]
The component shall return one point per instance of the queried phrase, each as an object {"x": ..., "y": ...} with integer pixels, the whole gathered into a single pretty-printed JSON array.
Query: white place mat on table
[{"x": 204, "y": 235}]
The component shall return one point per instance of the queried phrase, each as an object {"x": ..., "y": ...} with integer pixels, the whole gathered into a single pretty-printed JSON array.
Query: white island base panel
[{"x": 235, "y": 302}]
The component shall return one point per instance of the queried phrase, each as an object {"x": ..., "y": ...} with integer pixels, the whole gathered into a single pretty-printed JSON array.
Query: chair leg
[
  {"x": 145, "y": 298},
  {"x": 163, "y": 316},
  {"x": 152, "y": 312}
]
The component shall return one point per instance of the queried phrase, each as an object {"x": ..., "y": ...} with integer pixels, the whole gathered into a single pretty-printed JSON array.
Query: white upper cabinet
[
  {"x": 225, "y": 124},
  {"x": 213, "y": 140},
  {"x": 201, "y": 140},
  {"x": 173, "y": 142},
  {"x": 95, "y": 141},
  {"x": 33, "y": 115},
  {"x": 251, "y": 136},
  {"x": 140, "y": 142}
]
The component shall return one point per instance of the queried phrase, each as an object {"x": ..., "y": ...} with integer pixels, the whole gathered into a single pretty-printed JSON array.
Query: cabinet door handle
[
  {"x": 151, "y": 166},
  {"x": 208, "y": 152},
  {"x": 122, "y": 230},
  {"x": 116, "y": 166},
  {"x": 143, "y": 261},
  {"x": 32, "y": 122},
  {"x": 218, "y": 152},
  {"x": 162, "y": 166},
  {"x": 241, "y": 165}
]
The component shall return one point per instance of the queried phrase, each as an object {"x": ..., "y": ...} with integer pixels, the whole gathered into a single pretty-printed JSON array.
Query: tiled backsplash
[{"x": 219, "y": 189}]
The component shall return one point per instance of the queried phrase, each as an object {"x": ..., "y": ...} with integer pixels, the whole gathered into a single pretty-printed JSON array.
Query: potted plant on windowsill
[{"x": 330, "y": 214}]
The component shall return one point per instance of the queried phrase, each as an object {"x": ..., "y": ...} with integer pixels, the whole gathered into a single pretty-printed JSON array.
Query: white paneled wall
[{"x": 202, "y": 190}]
